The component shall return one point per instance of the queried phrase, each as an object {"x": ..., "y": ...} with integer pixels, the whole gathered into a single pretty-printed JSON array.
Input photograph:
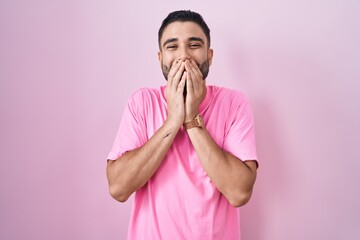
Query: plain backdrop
[{"x": 67, "y": 68}]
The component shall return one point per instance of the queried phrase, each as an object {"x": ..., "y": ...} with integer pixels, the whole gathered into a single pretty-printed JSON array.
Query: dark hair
[{"x": 184, "y": 16}]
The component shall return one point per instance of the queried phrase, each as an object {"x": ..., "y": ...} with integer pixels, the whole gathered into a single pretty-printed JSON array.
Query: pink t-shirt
[{"x": 180, "y": 201}]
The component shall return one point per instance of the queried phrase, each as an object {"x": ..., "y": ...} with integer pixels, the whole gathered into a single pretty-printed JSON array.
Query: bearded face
[{"x": 204, "y": 68}]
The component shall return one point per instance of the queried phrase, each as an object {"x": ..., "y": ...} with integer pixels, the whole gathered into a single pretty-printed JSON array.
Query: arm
[
  {"x": 232, "y": 177},
  {"x": 133, "y": 169}
]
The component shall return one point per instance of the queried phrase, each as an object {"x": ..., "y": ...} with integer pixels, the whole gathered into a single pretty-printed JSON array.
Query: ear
[
  {"x": 210, "y": 55},
  {"x": 160, "y": 57}
]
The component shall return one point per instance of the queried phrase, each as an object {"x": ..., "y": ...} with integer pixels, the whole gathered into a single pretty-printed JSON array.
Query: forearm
[
  {"x": 133, "y": 169},
  {"x": 232, "y": 177}
]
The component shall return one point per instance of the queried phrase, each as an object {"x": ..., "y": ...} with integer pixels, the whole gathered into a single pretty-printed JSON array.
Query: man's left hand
[{"x": 196, "y": 90}]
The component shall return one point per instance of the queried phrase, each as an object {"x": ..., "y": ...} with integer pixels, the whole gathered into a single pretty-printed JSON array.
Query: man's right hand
[
  {"x": 174, "y": 93},
  {"x": 134, "y": 168}
]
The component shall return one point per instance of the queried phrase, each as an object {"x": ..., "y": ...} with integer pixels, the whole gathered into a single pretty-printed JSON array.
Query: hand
[
  {"x": 196, "y": 90},
  {"x": 174, "y": 93}
]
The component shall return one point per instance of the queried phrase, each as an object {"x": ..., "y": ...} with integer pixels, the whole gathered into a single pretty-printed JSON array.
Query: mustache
[
  {"x": 173, "y": 63},
  {"x": 204, "y": 68}
]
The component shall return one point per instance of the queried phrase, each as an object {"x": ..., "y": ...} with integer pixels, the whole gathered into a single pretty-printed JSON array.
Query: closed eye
[
  {"x": 171, "y": 47},
  {"x": 195, "y": 45}
]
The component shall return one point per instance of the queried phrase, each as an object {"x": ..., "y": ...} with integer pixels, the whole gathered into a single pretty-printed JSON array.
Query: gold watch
[{"x": 198, "y": 121}]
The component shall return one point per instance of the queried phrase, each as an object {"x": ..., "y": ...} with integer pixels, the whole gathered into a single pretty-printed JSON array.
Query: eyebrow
[
  {"x": 170, "y": 40},
  {"x": 197, "y": 39}
]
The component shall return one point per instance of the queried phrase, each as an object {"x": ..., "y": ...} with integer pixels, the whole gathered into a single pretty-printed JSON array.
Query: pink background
[{"x": 68, "y": 67}]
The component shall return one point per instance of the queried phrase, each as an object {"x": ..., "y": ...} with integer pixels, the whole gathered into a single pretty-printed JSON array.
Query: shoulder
[
  {"x": 232, "y": 96},
  {"x": 146, "y": 93},
  {"x": 145, "y": 99}
]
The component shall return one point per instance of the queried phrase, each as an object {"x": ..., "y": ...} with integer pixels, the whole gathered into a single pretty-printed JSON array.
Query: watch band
[{"x": 196, "y": 122}]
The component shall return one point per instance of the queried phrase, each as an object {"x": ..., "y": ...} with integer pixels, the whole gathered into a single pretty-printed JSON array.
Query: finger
[
  {"x": 180, "y": 88},
  {"x": 189, "y": 85},
  {"x": 190, "y": 69},
  {"x": 196, "y": 70},
  {"x": 195, "y": 80},
  {"x": 173, "y": 70},
  {"x": 178, "y": 75}
]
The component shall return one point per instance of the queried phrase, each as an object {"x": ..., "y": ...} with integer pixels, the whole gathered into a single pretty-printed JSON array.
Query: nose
[{"x": 184, "y": 54}]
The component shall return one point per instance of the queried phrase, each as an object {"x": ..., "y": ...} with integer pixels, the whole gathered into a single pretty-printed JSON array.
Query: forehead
[{"x": 182, "y": 31}]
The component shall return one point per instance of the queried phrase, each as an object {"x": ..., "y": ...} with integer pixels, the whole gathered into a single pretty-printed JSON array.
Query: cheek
[
  {"x": 168, "y": 60},
  {"x": 201, "y": 58},
  {"x": 165, "y": 60},
  {"x": 200, "y": 62}
]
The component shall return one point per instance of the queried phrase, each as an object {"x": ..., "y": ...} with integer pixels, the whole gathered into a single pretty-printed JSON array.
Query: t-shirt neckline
[{"x": 204, "y": 104}]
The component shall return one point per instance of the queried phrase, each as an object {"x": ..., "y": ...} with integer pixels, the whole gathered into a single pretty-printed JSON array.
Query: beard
[{"x": 204, "y": 69}]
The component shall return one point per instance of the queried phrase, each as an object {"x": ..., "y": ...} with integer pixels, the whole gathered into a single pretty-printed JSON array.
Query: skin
[{"x": 184, "y": 48}]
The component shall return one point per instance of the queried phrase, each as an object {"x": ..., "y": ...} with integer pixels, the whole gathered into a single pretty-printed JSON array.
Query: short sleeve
[
  {"x": 240, "y": 139},
  {"x": 132, "y": 130}
]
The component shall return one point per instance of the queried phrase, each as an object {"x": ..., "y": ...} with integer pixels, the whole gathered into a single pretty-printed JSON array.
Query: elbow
[
  {"x": 239, "y": 199},
  {"x": 116, "y": 188},
  {"x": 117, "y": 194}
]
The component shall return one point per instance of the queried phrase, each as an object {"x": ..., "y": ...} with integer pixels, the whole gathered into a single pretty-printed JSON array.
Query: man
[{"x": 186, "y": 149}]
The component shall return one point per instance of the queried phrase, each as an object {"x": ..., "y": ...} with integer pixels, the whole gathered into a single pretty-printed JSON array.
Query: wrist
[
  {"x": 196, "y": 122},
  {"x": 173, "y": 123},
  {"x": 190, "y": 117}
]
